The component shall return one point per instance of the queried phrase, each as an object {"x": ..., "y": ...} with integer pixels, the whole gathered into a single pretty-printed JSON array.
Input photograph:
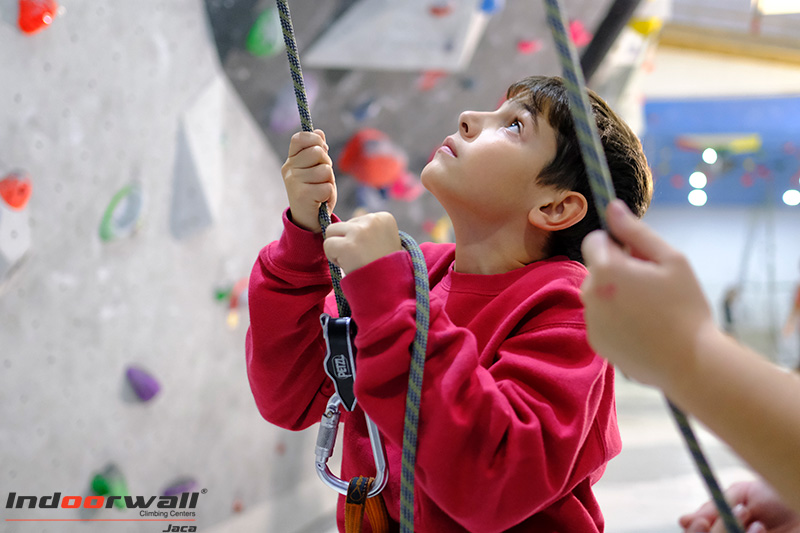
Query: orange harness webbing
[{"x": 357, "y": 502}]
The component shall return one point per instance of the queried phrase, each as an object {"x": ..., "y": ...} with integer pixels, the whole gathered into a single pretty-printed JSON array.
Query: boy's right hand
[{"x": 308, "y": 178}]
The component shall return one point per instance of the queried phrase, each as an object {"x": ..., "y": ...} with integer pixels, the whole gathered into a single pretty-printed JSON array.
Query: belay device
[{"x": 340, "y": 365}]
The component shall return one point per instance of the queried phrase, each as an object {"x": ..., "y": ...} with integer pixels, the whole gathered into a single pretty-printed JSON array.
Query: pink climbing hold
[
  {"x": 579, "y": 34},
  {"x": 430, "y": 79},
  {"x": 144, "y": 384},
  {"x": 407, "y": 188},
  {"x": 529, "y": 46}
]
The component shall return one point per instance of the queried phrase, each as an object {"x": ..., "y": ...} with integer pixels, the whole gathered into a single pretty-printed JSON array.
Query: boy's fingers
[
  {"x": 303, "y": 139},
  {"x": 643, "y": 242},
  {"x": 337, "y": 229},
  {"x": 310, "y": 157}
]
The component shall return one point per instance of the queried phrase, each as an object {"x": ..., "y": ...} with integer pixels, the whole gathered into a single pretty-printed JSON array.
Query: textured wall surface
[{"x": 113, "y": 94}]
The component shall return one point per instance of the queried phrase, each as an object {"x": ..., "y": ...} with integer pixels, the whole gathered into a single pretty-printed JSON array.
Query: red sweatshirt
[{"x": 517, "y": 419}]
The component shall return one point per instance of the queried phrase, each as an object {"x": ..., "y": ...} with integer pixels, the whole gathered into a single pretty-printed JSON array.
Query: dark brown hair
[{"x": 633, "y": 183}]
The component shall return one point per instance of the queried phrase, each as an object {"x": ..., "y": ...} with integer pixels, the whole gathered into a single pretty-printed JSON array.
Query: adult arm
[{"x": 646, "y": 313}]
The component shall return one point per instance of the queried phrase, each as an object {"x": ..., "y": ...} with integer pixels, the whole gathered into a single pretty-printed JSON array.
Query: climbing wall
[{"x": 137, "y": 191}]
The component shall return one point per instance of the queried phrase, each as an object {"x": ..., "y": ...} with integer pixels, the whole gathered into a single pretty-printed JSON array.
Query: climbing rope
[
  {"x": 603, "y": 192},
  {"x": 418, "y": 348},
  {"x": 307, "y": 125}
]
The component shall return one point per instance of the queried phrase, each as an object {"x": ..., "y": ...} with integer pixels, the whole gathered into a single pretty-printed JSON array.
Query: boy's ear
[{"x": 560, "y": 210}]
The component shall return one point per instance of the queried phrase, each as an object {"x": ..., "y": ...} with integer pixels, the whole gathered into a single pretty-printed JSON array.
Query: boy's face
[{"x": 489, "y": 167}]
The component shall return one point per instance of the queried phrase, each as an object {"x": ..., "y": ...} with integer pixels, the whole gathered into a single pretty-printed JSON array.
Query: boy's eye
[{"x": 515, "y": 124}]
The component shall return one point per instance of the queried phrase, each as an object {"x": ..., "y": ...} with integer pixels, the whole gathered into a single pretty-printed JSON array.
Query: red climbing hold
[
  {"x": 15, "y": 189},
  {"x": 441, "y": 8},
  {"x": 36, "y": 14}
]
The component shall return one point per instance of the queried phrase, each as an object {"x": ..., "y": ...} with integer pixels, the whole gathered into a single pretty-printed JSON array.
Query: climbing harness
[
  {"x": 340, "y": 363},
  {"x": 603, "y": 192}
]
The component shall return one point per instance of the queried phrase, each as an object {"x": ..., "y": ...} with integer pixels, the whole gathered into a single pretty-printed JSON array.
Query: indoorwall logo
[{"x": 179, "y": 508}]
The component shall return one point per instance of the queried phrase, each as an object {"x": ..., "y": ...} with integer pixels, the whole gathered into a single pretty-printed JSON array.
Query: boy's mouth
[{"x": 449, "y": 147}]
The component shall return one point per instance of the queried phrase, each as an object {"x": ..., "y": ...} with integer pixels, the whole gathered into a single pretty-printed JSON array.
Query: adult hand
[
  {"x": 361, "y": 240},
  {"x": 308, "y": 178},
  {"x": 757, "y": 507},
  {"x": 644, "y": 309}
]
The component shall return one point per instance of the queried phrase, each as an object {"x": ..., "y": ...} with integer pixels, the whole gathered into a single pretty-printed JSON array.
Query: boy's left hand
[{"x": 361, "y": 240}]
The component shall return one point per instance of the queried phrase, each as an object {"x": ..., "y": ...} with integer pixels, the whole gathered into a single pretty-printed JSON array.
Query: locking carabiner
[
  {"x": 328, "y": 427},
  {"x": 340, "y": 365}
]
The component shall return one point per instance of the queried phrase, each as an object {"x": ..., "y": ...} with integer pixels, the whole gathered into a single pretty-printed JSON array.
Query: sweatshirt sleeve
[
  {"x": 514, "y": 433},
  {"x": 284, "y": 345}
]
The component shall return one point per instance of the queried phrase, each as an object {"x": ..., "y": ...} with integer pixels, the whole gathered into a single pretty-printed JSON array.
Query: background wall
[
  {"x": 111, "y": 94},
  {"x": 749, "y": 240}
]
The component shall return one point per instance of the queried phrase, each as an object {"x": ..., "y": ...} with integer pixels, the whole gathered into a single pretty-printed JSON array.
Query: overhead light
[
  {"x": 698, "y": 180},
  {"x": 778, "y": 7},
  {"x": 791, "y": 197},
  {"x": 710, "y": 156},
  {"x": 698, "y": 197}
]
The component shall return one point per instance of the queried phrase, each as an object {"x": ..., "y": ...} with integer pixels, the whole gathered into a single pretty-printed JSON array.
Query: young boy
[{"x": 518, "y": 417}]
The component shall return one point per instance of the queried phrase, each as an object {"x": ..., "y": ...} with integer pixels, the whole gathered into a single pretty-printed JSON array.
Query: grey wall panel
[{"x": 87, "y": 106}]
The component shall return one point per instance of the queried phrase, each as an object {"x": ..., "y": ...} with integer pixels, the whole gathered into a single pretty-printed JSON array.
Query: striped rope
[
  {"x": 731, "y": 524},
  {"x": 588, "y": 136},
  {"x": 307, "y": 125},
  {"x": 603, "y": 192},
  {"x": 414, "y": 393},
  {"x": 419, "y": 346}
]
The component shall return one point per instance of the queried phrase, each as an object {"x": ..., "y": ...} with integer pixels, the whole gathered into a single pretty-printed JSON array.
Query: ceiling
[{"x": 417, "y": 108}]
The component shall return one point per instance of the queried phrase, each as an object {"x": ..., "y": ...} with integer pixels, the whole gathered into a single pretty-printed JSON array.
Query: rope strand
[{"x": 307, "y": 125}]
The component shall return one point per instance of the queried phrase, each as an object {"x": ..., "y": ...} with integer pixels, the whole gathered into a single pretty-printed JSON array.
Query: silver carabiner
[{"x": 328, "y": 428}]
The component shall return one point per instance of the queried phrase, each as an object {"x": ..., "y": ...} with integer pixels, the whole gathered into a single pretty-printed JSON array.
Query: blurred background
[{"x": 140, "y": 153}]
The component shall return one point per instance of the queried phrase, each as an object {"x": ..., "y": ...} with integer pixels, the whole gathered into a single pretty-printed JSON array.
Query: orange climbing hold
[
  {"x": 36, "y": 14},
  {"x": 372, "y": 158}
]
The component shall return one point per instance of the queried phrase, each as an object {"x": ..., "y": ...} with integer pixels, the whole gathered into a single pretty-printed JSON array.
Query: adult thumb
[{"x": 642, "y": 241}]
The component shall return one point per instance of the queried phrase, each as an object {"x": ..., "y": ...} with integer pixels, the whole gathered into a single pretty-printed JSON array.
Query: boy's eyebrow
[{"x": 527, "y": 107}]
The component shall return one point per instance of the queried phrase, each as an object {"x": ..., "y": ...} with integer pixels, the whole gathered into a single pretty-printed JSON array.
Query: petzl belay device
[{"x": 340, "y": 361}]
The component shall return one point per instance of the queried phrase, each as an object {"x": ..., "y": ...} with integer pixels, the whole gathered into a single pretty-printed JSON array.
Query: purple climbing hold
[
  {"x": 144, "y": 384},
  {"x": 180, "y": 486}
]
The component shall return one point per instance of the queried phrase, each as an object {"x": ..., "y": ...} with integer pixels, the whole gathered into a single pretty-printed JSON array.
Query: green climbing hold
[
  {"x": 110, "y": 482},
  {"x": 266, "y": 37},
  {"x": 123, "y": 215}
]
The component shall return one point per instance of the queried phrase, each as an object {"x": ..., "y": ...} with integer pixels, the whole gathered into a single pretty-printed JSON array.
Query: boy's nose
[{"x": 468, "y": 123}]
